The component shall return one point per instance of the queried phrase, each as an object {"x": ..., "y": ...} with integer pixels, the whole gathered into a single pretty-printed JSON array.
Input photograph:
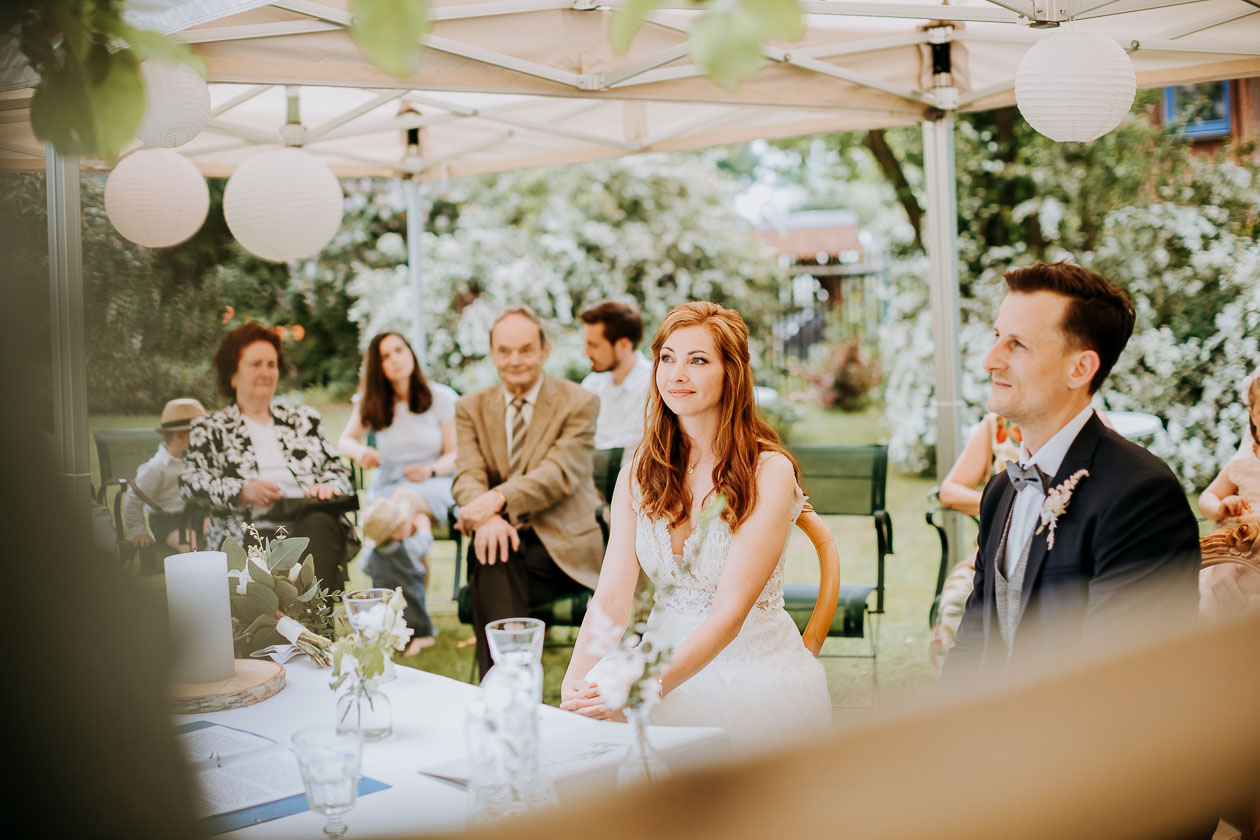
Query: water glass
[{"x": 329, "y": 762}]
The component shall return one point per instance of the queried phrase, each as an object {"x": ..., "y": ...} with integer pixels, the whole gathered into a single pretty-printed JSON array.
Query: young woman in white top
[{"x": 414, "y": 422}]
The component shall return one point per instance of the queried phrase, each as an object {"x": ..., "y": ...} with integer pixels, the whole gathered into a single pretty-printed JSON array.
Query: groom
[{"x": 1089, "y": 533}]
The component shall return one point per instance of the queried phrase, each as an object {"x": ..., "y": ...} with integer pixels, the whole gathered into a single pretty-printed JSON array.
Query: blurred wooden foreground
[{"x": 1145, "y": 741}]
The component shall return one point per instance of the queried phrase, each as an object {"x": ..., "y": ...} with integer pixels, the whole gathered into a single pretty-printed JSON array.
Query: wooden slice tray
[{"x": 255, "y": 680}]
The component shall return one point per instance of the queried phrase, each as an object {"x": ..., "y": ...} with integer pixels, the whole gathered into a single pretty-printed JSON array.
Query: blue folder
[{"x": 219, "y": 823}]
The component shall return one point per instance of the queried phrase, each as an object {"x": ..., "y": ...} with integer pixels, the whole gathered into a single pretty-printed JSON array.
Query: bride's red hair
[{"x": 662, "y": 457}]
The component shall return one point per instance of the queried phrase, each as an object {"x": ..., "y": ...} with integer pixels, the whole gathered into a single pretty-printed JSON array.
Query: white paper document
[
  {"x": 587, "y": 756},
  {"x": 233, "y": 769}
]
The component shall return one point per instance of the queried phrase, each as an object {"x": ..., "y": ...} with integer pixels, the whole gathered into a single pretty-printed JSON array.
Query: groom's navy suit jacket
[{"x": 1126, "y": 547}]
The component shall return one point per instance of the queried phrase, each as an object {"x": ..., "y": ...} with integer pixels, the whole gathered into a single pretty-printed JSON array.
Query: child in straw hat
[
  {"x": 401, "y": 535},
  {"x": 156, "y": 486}
]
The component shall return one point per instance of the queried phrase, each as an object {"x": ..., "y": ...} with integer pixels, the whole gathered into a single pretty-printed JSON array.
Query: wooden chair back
[
  {"x": 828, "y": 581},
  {"x": 1240, "y": 545}
]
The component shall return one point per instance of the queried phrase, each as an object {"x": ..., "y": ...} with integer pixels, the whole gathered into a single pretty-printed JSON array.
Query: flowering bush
[
  {"x": 840, "y": 376},
  {"x": 658, "y": 229},
  {"x": 1191, "y": 269}
]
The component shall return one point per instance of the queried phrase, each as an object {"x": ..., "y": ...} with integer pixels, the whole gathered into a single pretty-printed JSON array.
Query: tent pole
[
  {"x": 65, "y": 282},
  {"x": 415, "y": 244},
  {"x": 942, "y": 248}
]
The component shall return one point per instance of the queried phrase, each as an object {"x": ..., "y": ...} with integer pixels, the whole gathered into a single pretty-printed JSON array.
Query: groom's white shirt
[{"x": 1028, "y": 502}]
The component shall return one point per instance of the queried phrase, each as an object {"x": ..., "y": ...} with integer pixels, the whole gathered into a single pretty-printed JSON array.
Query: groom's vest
[{"x": 1007, "y": 593}]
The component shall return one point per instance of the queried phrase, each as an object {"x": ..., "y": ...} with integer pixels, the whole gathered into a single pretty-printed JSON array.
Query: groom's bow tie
[{"x": 1029, "y": 476}]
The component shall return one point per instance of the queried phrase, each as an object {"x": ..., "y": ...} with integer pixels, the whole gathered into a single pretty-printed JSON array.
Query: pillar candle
[{"x": 201, "y": 617}]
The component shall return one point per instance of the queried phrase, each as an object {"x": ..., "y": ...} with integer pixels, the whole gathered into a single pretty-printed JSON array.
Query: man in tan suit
[{"x": 523, "y": 481}]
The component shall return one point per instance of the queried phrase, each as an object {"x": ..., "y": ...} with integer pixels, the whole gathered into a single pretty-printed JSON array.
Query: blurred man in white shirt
[{"x": 620, "y": 373}]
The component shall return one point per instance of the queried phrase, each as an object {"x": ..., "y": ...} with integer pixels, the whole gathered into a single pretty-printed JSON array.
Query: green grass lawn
[{"x": 911, "y": 571}]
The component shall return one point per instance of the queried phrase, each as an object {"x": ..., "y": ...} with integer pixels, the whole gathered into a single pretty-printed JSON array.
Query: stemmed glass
[{"x": 329, "y": 762}]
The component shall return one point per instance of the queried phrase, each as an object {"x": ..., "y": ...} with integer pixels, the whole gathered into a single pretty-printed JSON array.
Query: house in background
[
  {"x": 834, "y": 271},
  {"x": 1214, "y": 113}
]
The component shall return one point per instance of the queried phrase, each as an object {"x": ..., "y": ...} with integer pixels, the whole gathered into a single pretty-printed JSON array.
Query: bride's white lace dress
[{"x": 765, "y": 683}]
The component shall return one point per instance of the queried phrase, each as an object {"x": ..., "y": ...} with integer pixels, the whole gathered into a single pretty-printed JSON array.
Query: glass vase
[
  {"x": 366, "y": 711},
  {"x": 642, "y": 762}
]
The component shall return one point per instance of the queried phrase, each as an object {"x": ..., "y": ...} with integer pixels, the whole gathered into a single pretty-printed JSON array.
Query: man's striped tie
[{"x": 518, "y": 432}]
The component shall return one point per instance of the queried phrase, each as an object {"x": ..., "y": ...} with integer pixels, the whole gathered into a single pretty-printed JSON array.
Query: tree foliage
[{"x": 153, "y": 318}]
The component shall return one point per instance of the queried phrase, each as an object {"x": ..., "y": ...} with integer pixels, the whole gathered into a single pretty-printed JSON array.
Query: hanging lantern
[
  {"x": 1075, "y": 85},
  {"x": 156, "y": 198},
  {"x": 176, "y": 104},
  {"x": 283, "y": 205}
]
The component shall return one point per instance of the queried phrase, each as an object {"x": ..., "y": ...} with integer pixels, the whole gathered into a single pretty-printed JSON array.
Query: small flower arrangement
[
  {"x": 1056, "y": 504},
  {"x": 629, "y": 674},
  {"x": 276, "y": 600},
  {"x": 360, "y": 656}
]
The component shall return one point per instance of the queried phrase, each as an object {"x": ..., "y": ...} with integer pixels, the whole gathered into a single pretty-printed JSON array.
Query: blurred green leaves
[
  {"x": 89, "y": 100},
  {"x": 388, "y": 32},
  {"x": 726, "y": 41}
]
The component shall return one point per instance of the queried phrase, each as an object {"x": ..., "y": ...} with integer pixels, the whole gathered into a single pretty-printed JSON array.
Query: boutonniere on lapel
[{"x": 1056, "y": 503}]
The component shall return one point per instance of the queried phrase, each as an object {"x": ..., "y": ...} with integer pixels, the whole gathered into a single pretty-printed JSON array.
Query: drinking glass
[{"x": 329, "y": 762}]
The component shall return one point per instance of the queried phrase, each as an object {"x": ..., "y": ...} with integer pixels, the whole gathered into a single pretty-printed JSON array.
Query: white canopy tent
[
  {"x": 519, "y": 83},
  {"x": 507, "y": 84}
]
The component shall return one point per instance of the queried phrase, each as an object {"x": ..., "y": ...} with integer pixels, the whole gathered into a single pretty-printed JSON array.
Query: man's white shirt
[
  {"x": 620, "y": 421},
  {"x": 1027, "y": 507}
]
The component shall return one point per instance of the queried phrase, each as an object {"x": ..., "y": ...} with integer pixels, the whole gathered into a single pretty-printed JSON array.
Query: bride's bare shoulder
[{"x": 774, "y": 470}]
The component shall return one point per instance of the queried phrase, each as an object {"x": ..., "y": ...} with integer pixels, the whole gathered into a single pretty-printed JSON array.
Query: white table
[{"x": 428, "y": 713}]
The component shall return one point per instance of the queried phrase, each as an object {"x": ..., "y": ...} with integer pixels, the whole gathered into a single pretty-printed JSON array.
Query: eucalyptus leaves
[{"x": 269, "y": 585}]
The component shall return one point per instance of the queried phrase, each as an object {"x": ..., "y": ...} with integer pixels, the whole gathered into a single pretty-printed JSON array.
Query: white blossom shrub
[
  {"x": 1193, "y": 271},
  {"x": 660, "y": 230}
]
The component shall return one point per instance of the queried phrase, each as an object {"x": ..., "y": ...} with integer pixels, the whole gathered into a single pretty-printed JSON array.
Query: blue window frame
[{"x": 1199, "y": 111}]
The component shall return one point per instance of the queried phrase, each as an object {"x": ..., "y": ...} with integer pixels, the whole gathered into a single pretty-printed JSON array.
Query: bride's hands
[{"x": 583, "y": 698}]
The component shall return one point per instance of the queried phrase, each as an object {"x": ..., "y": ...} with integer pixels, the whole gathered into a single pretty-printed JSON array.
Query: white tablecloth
[{"x": 428, "y": 715}]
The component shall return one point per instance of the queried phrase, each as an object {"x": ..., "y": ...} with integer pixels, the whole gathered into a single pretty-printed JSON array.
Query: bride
[{"x": 738, "y": 661}]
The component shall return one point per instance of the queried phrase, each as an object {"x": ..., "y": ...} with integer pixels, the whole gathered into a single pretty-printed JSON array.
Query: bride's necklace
[{"x": 691, "y": 468}]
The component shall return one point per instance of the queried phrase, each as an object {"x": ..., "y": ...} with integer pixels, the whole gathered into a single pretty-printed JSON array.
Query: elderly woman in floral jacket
[{"x": 244, "y": 458}]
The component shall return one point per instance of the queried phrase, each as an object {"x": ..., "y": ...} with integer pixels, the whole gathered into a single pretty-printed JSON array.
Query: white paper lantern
[
  {"x": 156, "y": 198},
  {"x": 283, "y": 205},
  {"x": 176, "y": 104},
  {"x": 1075, "y": 85}
]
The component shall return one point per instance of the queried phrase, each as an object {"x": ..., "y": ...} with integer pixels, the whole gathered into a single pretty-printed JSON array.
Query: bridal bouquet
[
  {"x": 629, "y": 672},
  {"x": 276, "y": 600}
]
